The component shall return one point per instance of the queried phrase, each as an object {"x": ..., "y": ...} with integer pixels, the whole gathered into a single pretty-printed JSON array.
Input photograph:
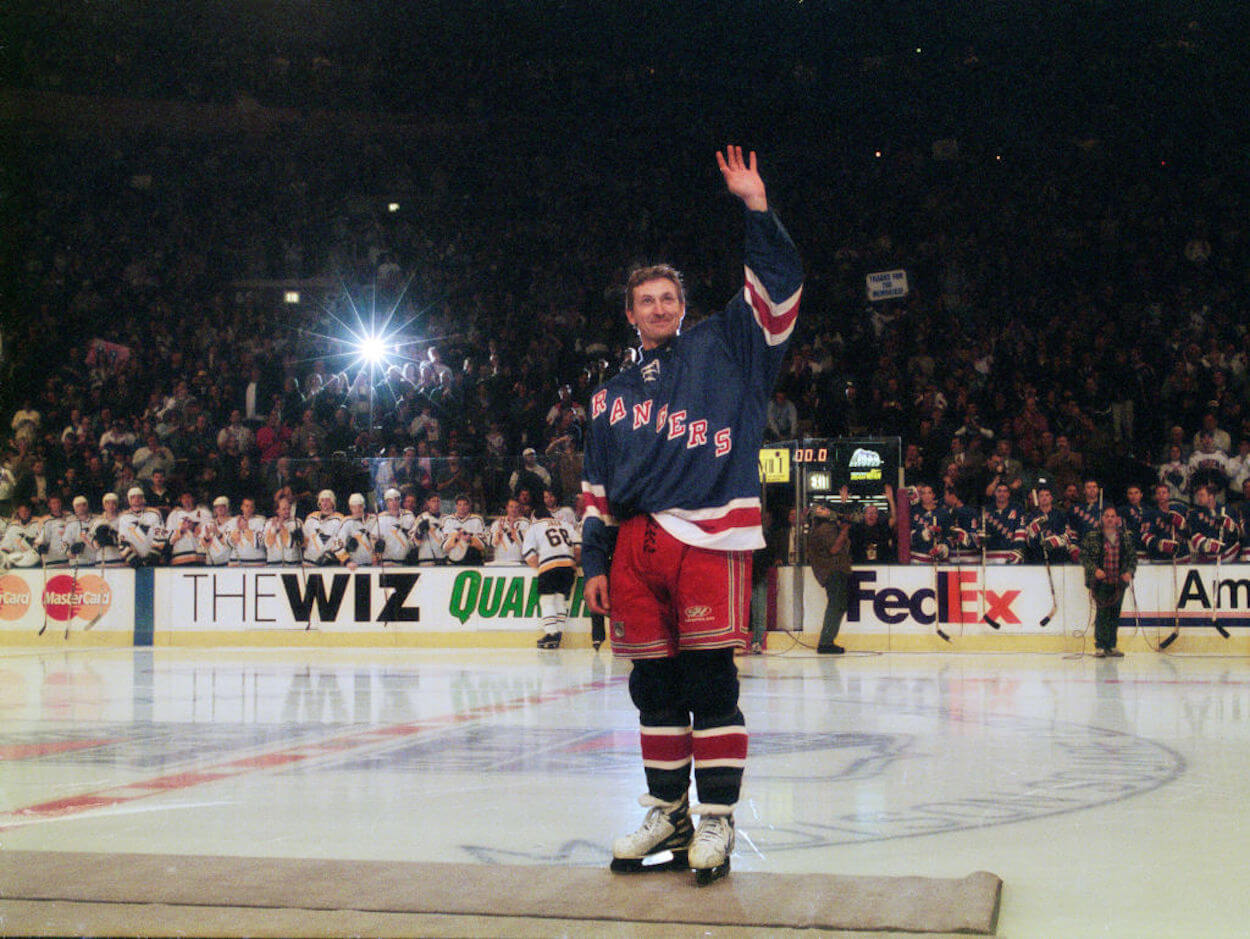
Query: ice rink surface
[{"x": 1110, "y": 796}]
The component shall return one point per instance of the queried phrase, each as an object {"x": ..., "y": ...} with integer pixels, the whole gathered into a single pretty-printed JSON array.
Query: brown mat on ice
[{"x": 746, "y": 899}]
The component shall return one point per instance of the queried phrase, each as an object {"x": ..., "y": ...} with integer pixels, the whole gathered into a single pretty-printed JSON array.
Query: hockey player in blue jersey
[
  {"x": 1212, "y": 533},
  {"x": 1137, "y": 516},
  {"x": 963, "y": 536},
  {"x": 1004, "y": 531},
  {"x": 672, "y": 515},
  {"x": 930, "y": 528},
  {"x": 1047, "y": 531},
  {"x": 1164, "y": 534},
  {"x": 1085, "y": 516}
]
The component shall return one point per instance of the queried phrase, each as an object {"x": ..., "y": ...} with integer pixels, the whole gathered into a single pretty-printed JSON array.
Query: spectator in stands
[
  {"x": 1219, "y": 437},
  {"x": 1065, "y": 465},
  {"x": 152, "y": 457},
  {"x": 782, "y": 419},
  {"x": 1209, "y": 466}
]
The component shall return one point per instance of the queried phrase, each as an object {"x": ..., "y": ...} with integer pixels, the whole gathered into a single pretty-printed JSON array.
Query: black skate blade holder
[{"x": 656, "y": 863}]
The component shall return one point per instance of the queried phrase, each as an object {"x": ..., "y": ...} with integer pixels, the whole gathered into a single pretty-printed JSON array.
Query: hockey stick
[
  {"x": 44, "y": 627},
  {"x": 1176, "y": 612},
  {"x": 1050, "y": 579},
  {"x": 1215, "y": 603},
  {"x": 937, "y": 621},
  {"x": 994, "y": 624},
  {"x": 99, "y": 613}
]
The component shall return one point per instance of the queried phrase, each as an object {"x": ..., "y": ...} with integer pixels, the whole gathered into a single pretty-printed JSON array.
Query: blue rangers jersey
[
  {"x": 678, "y": 435},
  {"x": 963, "y": 538},
  {"x": 1164, "y": 534},
  {"x": 930, "y": 529},
  {"x": 1004, "y": 533},
  {"x": 1137, "y": 519},
  {"x": 1212, "y": 533},
  {"x": 1047, "y": 536},
  {"x": 1082, "y": 519}
]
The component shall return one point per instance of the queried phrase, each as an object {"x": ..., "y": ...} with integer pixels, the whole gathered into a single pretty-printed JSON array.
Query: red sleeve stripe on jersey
[
  {"x": 597, "y": 505},
  {"x": 775, "y": 319}
]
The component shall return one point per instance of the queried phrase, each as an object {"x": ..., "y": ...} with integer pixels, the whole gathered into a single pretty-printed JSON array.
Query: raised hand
[{"x": 742, "y": 178}]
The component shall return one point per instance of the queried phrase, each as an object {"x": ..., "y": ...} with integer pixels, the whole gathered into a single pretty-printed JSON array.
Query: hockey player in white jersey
[
  {"x": 359, "y": 534},
  {"x": 464, "y": 535},
  {"x": 215, "y": 537},
  {"x": 17, "y": 548},
  {"x": 186, "y": 525},
  {"x": 105, "y": 536},
  {"x": 77, "y": 536},
  {"x": 140, "y": 531},
  {"x": 396, "y": 530},
  {"x": 507, "y": 534},
  {"x": 322, "y": 542},
  {"x": 51, "y": 541},
  {"x": 552, "y": 548},
  {"x": 246, "y": 534},
  {"x": 283, "y": 535},
  {"x": 430, "y": 533}
]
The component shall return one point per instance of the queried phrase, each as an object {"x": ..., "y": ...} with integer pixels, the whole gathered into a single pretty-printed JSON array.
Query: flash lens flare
[{"x": 372, "y": 349}]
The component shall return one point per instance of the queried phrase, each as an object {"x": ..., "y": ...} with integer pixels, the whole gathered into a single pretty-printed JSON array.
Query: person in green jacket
[{"x": 1109, "y": 556}]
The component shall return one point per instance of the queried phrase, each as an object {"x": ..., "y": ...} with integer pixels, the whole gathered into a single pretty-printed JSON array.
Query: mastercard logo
[
  {"x": 85, "y": 597},
  {"x": 15, "y": 597}
]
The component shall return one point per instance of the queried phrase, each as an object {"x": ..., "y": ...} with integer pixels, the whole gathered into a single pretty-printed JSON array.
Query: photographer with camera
[{"x": 829, "y": 553}]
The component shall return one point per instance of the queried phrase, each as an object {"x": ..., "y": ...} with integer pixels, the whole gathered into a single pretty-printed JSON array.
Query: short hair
[{"x": 640, "y": 275}]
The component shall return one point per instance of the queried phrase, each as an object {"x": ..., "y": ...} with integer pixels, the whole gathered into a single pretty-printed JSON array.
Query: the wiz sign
[{"x": 283, "y": 597}]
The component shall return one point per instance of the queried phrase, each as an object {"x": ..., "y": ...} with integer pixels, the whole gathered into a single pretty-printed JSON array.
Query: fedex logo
[{"x": 957, "y": 599}]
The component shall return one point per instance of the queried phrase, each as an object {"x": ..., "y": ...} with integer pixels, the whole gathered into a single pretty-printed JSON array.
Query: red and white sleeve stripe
[{"x": 776, "y": 319}]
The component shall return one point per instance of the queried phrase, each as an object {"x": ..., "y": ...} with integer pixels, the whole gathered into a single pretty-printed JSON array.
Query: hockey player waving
[{"x": 673, "y": 510}]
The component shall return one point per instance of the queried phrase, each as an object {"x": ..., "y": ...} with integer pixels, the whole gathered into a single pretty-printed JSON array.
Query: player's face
[
  {"x": 1091, "y": 491},
  {"x": 248, "y": 508},
  {"x": 462, "y": 507},
  {"x": 326, "y": 504},
  {"x": 1045, "y": 500},
  {"x": 1001, "y": 495},
  {"x": 136, "y": 503},
  {"x": 392, "y": 504},
  {"x": 1134, "y": 495},
  {"x": 656, "y": 311}
]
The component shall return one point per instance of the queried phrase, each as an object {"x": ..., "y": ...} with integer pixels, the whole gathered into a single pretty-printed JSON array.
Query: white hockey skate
[
  {"x": 713, "y": 843},
  {"x": 662, "y": 841}
]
